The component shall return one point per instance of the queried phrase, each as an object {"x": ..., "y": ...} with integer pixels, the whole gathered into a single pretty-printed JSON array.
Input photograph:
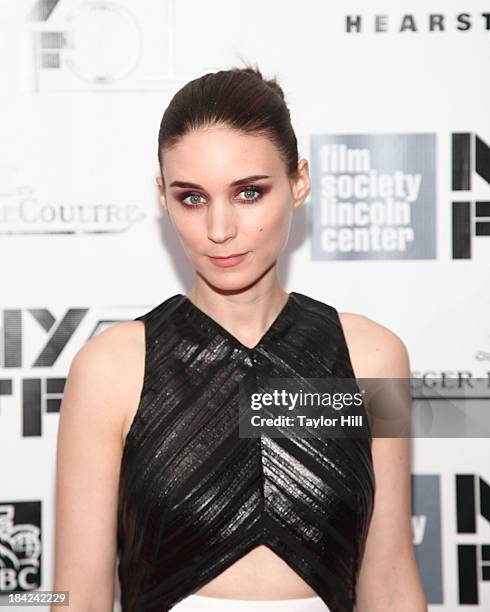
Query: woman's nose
[{"x": 221, "y": 221}]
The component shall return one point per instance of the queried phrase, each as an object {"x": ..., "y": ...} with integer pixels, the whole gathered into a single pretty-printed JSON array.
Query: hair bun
[{"x": 272, "y": 83}]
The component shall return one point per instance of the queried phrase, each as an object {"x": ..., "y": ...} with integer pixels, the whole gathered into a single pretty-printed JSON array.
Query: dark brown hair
[{"x": 238, "y": 98}]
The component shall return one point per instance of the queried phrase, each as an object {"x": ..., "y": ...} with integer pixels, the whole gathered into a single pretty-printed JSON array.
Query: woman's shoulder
[
  {"x": 108, "y": 372},
  {"x": 114, "y": 344},
  {"x": 376, "y": 350},
  {"x": 115, "y": 357}
]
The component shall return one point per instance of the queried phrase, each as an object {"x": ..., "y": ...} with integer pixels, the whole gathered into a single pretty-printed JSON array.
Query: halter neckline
[{"x": 224, "y": 332}]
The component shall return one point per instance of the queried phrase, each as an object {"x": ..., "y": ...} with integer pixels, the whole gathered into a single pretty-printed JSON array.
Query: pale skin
[{"x": 106, "y": 375}]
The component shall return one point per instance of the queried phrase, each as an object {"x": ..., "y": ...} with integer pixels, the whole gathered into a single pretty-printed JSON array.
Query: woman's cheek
[{"x": 190, "y": 233}]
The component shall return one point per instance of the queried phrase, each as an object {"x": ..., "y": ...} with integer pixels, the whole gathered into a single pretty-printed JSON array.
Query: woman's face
[{"x": 228, "y": 193}]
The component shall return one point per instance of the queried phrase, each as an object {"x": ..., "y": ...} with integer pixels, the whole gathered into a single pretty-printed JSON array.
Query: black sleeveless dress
[{"x": 194, "y": 496}]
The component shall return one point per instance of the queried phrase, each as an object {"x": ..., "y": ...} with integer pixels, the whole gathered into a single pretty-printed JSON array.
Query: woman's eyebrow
[{"x": 247, "y": 179}]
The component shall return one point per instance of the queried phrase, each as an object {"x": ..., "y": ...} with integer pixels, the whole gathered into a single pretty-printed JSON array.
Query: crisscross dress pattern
[{"x": 194, "y": 496}]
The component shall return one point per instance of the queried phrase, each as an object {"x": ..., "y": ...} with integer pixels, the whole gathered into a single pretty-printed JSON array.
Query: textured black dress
[{"x": 194, "y": 496}]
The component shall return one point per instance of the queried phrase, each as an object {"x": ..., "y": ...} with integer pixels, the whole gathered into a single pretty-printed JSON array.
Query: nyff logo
[
  {"x": 39, "y": 394},
  {"x": 472, "y": 502},
  {"x": 472, "y": 499},
  {"x": 470, "y": 218}
]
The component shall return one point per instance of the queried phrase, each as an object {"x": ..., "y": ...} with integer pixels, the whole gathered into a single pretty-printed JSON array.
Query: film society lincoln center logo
[{"x": 374, "y": 196}]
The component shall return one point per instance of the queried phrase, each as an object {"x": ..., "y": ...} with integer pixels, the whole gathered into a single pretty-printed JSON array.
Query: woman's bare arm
[
  {"x": 103, "y": 384},
  {"x": 389, "y": 579}
]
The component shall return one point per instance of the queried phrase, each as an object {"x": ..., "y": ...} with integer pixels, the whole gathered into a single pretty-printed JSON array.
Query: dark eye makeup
[{"x": 260, "y": 191}]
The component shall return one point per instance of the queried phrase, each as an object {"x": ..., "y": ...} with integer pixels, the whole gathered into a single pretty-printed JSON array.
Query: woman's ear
[
  {"x": 161, "y": 188},
  {"x": 301, "y": 184}
]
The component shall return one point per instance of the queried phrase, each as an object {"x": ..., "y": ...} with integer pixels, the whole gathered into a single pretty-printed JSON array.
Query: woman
[{"x": 151, "y": 467}]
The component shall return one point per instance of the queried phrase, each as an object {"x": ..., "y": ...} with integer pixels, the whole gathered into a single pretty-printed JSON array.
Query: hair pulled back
[{"x": 238, "y": 98}]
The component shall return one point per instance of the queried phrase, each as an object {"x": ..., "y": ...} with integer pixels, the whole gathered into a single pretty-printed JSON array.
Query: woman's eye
[
  {"x": 192, "y": 200},
  {"x": 193, "y": 197},
  {"x": 251, "y": 191}
]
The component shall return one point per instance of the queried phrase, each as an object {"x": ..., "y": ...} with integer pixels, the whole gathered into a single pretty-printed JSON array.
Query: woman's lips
[{"x": 226, "y": 262}]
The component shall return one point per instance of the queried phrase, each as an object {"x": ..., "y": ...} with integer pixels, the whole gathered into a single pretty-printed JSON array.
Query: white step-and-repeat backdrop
[{"x": 394, "y": 93}]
